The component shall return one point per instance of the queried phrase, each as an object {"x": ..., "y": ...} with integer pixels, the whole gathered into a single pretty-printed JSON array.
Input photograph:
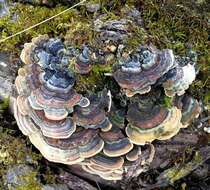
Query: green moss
[
  {"x": 139, "y": 37},
  {"x": 27, "y": 16},
  {"x": 108, "y": 6},
  {"x": 49, "y": 176},
  {"x": 171, "y": 25},
  {"x": 30, "y": 182},
  {"x": 95, "y": 80},
  {"x": 4, "y": 104},
  {"x": 13, "y": 151},
  {"x": 177, "y": 25},
  {"x": 167, "y": 102},
  {"x": 97, "y": 69},
  {"x": 78, "y": 31}
]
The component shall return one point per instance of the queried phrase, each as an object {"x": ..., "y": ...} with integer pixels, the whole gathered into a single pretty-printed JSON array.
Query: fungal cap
[
  {"x": 87, "y": 143},
  {"x": 23, "y": 105},
  {"x": 190, "y": 109},
  {"x": 103, "y": 173},
  {"x": 116, "y": 144},
  {"x": 107, "y": 162},
  {"x": 149, "y": 65},
  {"x": 134, "y": 154},
  {"x": 24, "y": 122},
  {"x": 59, "y": 129},
  {"x": 55, "y": 154},
  {"x": 165, "y": 130},
  {"x": 92, "y": 116},
  {"x": 117, "y": 148},
  {"x": 180, "y": 81}
]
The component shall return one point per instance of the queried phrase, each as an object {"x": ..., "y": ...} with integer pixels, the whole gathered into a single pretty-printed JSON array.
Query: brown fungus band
[{"x": 94, "y": 130}]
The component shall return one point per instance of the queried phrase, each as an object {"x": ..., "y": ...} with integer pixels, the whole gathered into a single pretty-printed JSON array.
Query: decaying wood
[
  {"x": 74, "y": 182},
  {"x": 174, "y": 173}
]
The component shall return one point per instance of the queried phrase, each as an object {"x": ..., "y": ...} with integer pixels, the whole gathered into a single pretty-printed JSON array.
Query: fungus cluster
[
  {"x": 147, "y": 66},
  {"x": 88, "y": 129}
]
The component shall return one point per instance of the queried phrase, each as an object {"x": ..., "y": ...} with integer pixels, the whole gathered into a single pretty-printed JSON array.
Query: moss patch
[
  {"x": 23, "y": 16},
  {"x": 30, "y": 182},
  {"x": 178, "y": 26}
]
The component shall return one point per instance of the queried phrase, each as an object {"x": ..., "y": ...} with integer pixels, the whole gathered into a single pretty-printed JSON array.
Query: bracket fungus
[
  {"x": 113, "y": 30},
  {"x": 190, "y": 108},
  {"x": 148, "y": 66},
  {"x": 82, "y": 64},
  {"x": 179, "y": 79},
  {"x": 116, "y": 144},
  {"x": 94, "y": 115},
  {"x": 142, "y": 69},
  {"x": 146, "y": 125},
  {"x": 94, "y": 130},
  {"x": 133, "y": 155},
  {"x": 106, "y": 167}
]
